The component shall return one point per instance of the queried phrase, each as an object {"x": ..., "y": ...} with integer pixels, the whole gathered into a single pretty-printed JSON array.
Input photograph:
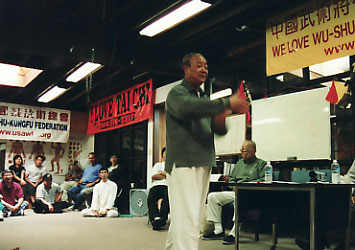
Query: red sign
[{"x": 122, "y": 109}]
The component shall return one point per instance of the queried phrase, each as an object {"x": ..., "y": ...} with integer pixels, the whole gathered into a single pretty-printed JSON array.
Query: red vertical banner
[{"x": 130, "y": 106}]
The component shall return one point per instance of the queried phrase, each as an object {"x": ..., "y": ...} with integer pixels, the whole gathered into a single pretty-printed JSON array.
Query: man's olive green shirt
[
  {"x": 189, "y": 132},
  {"x": 248, "y": 171}
]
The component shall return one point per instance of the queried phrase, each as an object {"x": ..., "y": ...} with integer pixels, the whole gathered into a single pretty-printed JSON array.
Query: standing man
[
  {"x": 11, "y": 196},
  {"x": 85, "y": 186},
  {"x": 34, "y": 175},
  {"x": 158, "y": 193},
  {"x": 250, "y": 168},
  {"x": 103, "y": 198},
  {"x": 49, "y": 197},
  {"x": 190, "y": 151}
]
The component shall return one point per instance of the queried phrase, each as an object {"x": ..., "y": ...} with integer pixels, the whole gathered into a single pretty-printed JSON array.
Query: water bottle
[
  {"x": 268, "y": 172},
  {"x": 335, "y": 168}
]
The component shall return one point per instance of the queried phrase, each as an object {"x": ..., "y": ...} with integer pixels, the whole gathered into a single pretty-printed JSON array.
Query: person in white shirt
[
  {"x": 33, "y": 177},
  {"x": 158, "y": 202},
  {"x": 48, "y": 197},
  {"x": 103, "y": 198}
]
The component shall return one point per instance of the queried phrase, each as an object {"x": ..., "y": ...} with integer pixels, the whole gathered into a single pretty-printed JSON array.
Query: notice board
[{"x": 292, "y": 125}]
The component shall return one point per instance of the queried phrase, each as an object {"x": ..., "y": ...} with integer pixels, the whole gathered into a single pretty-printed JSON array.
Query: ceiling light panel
[
  {"x": 83, "y": 71},
  {"x": 330, "y": 68},
  {"x": 51, "y": 94},
  {"x": 175, "y": 17},
  {"x": 16, "y": 76}
]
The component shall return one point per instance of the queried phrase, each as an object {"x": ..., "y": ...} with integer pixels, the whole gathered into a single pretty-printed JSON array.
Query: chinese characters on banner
[
  {"x": 130, "y": 106},
  {"x": 30, "y": 123},
  {"x": 311, "y": 38}
]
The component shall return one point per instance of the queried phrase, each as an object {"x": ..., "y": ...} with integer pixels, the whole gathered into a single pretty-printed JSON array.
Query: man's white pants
[
  {"x": 87, "y": 212},
  {"x": 187, "y": 187},
  {"x": 215, "y": 202}
]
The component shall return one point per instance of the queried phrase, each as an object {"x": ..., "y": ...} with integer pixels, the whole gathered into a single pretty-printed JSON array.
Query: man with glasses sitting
[{"x": 249, "y": 168}]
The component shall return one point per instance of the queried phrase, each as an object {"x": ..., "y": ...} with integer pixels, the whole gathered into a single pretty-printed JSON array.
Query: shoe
[
  {"x": 228, "y": 240},
  {"x": 71, "y": 208},
  {"x": 158, "y": 223},
  {"x": 1, "y": 216},
  {"x": 213, "y": 236}
]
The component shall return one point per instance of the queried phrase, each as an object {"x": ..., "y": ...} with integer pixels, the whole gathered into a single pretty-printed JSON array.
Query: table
[{"x": 316, "y": 191}]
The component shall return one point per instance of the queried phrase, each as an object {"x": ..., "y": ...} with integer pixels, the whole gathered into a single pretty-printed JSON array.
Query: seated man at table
[
  {"x": 103, "y": 198},
  {"x": 250, "y": 168}
]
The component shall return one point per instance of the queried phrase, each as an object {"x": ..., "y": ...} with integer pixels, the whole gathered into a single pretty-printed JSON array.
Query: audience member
[
  {"x": 85, "y": 186},
  {"x": 34, "y": 175},
  {"x": 119, "y": 175},
  {"x": 158, "y": 202},
  {"x": 103, "y": 198},
  {"x": 250, "y": 168},
  {"x": 48, "y": 197},
  {"x": 11, "y": 196},
  {"x": 19, "y": 172},
  {"x": 70, "y": 180}
]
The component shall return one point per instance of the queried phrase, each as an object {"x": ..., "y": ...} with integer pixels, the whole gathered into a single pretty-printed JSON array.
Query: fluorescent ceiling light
[
  {"x": 51, "y": 94},
  {"x": 220, "y": 94},
  {"x": 175, "y": 17},
  {"x": 281, "y": 78},
  {"x": 83, "y": 71},
  {"x": 330, "y": 68},
  {"x": 16, "y": 76}
]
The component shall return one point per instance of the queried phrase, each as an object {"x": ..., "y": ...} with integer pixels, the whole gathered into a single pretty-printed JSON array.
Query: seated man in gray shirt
[
  {"x": 49, "y": 197},
  {"x": 249, "y": 168}
]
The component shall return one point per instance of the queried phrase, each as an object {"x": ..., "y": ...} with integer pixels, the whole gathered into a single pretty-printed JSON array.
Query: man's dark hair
[
  {"x": 6, "y": 171},
  {"x": 163, "y": 151},
  {"x": 16, "y": 157},
  {"x": 103, "y": 169},
  {"x": 40, "y": 156},
  {"x": 91, "y": 153},
  {"x": 187, "y": 58}
]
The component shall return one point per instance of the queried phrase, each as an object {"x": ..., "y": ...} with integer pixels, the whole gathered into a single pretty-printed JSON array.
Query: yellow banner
[{"x": 313, "y": 37}]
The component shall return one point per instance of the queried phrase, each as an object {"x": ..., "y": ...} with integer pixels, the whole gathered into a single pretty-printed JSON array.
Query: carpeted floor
[{"x": 70, "y": 231}]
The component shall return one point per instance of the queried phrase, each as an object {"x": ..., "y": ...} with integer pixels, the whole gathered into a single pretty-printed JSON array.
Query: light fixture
[
  {"x": 280, "y": 78},
  {"x": 51, "y": 93},
  {"x": 175, "y": 17},
  {"x": 16, "y": 76},
  {"x": 83, "y": 71},
  {"x": 329, "y": 68}
]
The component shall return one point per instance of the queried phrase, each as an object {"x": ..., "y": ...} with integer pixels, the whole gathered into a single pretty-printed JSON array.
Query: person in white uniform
[{"x": 103, "y": 198}]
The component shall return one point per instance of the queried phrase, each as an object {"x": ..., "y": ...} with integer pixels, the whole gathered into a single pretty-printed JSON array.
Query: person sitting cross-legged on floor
[
  {"x": 11, "y": 196},
  {"x": 48, "y": 197},
  {"x": 103, "y": 198},
  {"x": 250, "y": 168}
]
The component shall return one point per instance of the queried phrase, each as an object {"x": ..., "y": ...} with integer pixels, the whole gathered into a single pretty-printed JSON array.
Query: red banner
[{"x": 122, "y": 109}]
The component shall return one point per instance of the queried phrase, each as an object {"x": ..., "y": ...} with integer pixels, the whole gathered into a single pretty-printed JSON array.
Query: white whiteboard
[
  {"x": 231, "y": 142},
  {"x": 291, "y": 125}
]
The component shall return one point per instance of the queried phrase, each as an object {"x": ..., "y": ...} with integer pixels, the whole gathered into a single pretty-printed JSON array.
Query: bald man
[{"x": 249, "y": 168}]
